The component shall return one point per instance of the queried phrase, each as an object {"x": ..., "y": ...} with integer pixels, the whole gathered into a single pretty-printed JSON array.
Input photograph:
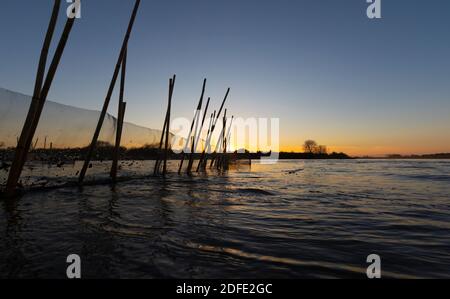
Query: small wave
[
  {"x": 312, "y": 264},
  {"x": 430, "y": 177},
  {"x": 255, "y": 191}
]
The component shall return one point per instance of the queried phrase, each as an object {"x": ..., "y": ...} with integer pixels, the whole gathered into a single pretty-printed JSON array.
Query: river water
[{"x": 294, "y": 219}]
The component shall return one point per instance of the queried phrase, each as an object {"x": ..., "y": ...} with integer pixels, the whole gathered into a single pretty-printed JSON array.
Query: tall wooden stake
[
  {"x": 166, "y": 150},
  {"x": 200, "y": 162},
  {"x": 35, "y": 144},
  {"x": 120, "y": 118},
  {"x": 108, "y": 95},
  {"x": 39, "y": 97},
  {"x": 228, "y": 135},
  {"x": 197, "y": 112},
  {"x": 208, "y": 142},
  {"x": 191, "y": 157},
  {"x": 158, "y": 158},
  {"x": 222, "y": 157},
  {"x": 163, "y": 134}
]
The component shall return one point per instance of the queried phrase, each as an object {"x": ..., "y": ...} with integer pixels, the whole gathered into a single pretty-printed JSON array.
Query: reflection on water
[{"x": 293, "y": 219}]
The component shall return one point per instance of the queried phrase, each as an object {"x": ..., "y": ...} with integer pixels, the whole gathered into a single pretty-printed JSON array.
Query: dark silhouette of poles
[
  {"x": 158, "y": 159},
  {"x": 108, "y": 95},
  {"x": 166, "y": 147},
  {"x": 220, "y": 159},
  {"x": 163, "y": 132},
  {"x": 49, "y": 78},
  {"x": 120, "y": 118},
  {"x": 35, "y": 143},
  {"x": 197, "y": 112},
  {"x": 226, "y": 137},
  {"x": 204, "y": 158},
  {"x": 197, "y": 138},
  {"x": 206, "y": 142},
  {"x": 218, "y": 147},
  {"x": 203, "y": 121},
  {"x": 39, "y": 96}
]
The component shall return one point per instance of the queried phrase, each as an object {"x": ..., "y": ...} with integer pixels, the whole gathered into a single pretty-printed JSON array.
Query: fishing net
[{"x": 63, "y": 126}]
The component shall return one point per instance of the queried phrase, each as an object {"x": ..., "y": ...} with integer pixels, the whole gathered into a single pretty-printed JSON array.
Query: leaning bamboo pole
[
  {"x": 196, "y": 140},
  {"x": 163, "y": 134},
  {"x": 166, "y": 150},
  {"x": 197, "y": 112},
  {"x": 158, "y": 154},
  {"x": 49, "y": 79},
  {"x": 120, "y": 118},
  {"x": 39, "y": 97},
  {"x": 216, "y": 157},
  {"x": 200, "y": 162},
  {"x": 108, "y": 95},
  {"x": 203, "y": 121},
  {"x": 203, "y": 157},
  {"x": 225, "y": 160},
  {"x": 227, "y": 141},
  {"x": 116, "y": 153},
  {"x": 217, "y": 148},
  {"x": 228, "y": 135},
  {"x": 220, "y": 159},
  {"x": 35, "y": 144},
  {"x": 41, "y": 70}
]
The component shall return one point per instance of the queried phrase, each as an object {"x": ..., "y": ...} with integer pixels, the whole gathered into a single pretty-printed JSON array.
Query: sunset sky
[{"x": 365, "y": 87}]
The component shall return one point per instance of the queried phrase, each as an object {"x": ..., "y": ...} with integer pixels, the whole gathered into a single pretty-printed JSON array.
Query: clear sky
[{"x": 328, "y": 72}]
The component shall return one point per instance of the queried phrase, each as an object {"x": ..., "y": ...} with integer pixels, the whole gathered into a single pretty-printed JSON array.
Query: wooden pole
[
  {"x": 41, "y": 71},
  {"x": 156, "y": 169},
  {"x": 116, "y": 153},
  {"x": 199, "y": 107},
  {"x": 39, "y": 97},
  {"x": 215, "y": 156},
  {"x": 200, "y": 162},
  {"x": 222, "y": 157},
  {"x": 191, "y": 158},
  {"x": 221, "y": 106},
  {"x": 166, "y": 150},
  {"x": 163, "y": 133},
  {"x": 35, "y": 144},
  {"x": 49, "y": 80},
  {"x": 108, "y": 95},
  {"x": 120, "y": 118},
  {"x": 228, "y": 135},
  {"x": 227, "y": 139},
  {"x": 208, "y": 143}
]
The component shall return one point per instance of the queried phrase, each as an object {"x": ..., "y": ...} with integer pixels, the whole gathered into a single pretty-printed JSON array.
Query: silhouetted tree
[
  {"x": 321, "y": 150},
  {"x": 310, "y": 146}
]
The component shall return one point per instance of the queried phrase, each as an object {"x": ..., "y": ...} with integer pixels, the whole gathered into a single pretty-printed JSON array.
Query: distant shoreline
[
  {"x": 409, "y": 157},
  {"x": 104, "y": 153}
]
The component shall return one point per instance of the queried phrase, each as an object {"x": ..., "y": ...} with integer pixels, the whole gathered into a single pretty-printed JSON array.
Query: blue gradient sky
[{"x": 327, "y": 71}]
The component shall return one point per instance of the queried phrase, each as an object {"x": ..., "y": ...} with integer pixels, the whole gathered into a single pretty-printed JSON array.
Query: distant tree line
[
  {"x": 104, "y": 151},
  {"x": 312, "y": 150}
]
